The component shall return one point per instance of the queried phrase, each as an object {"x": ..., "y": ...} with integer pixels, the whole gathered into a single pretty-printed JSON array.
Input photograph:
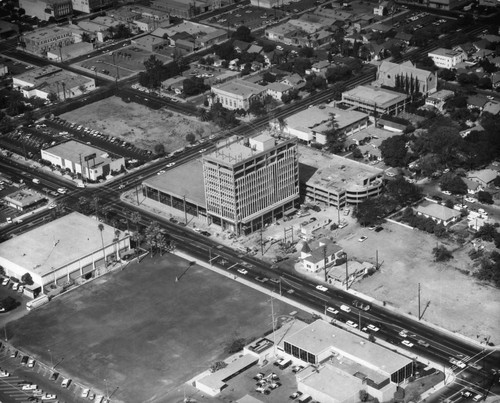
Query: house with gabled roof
[
  {"x": 485, "y": 177},
  {"x": 476, "y": 101},
  {"x": 324, "y": 253},
  {"x": 241, "y": 46},
  {"x": 439, "y": 213},
  {"x": 399, "y": 75}
]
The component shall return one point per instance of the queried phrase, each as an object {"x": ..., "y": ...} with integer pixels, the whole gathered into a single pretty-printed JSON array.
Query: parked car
[
  {"x": 363, "y": 238},
  {"x": 31, "y": 363},
  {"x": 54, "y": 376},
  {"x": 66, "y": 382}
]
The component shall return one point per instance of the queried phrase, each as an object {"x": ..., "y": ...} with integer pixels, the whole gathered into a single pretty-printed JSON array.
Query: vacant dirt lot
[
  {"x": 457, "y": 301},
  {"x": 138, "y": 124},
  {"x": 143, "y": 331}
]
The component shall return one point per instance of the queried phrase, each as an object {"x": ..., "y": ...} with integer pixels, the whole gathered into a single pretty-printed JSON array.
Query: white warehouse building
[{"x": 63, "y": 251}]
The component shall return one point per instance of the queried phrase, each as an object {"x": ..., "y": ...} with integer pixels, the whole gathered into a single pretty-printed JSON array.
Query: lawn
[
  {"x": 141, "y": 330},
  {"x": 138, "y": 124}
]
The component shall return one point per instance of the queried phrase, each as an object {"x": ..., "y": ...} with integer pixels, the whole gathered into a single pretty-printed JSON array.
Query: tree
[
  {"x": 394, "y": 151},
  {"x": 216, "y": 366},
  {"x": 159, "y": 149},
  {"x": 52, "y": 97},
  {"x": 243, "y": 34},
  {"x": 363, "y": 395},
  {"x": 484, "y": 197},
  {"x": 190, "y": 138},
  {"x": 101, "y": 229},
  {"x": 403, "y": 192},
  {"x": 269, "y": 77},
  {"x": 86, "y": 37},
  {"x": 356, "y": 153},
  {"x": 235, "y": 346},
  {"x": 194, "y": 86},
  {"x": 441, "y": 254},
  {"x": 335, "y": 138},
  {"x": 257, "y": 108},
  {"x": 26, "y": 279},
  {"x": 453, "y": 183},
  {"x": 368, "y": 212}
]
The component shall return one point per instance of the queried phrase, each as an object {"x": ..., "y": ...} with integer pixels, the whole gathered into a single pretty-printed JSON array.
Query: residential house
[
  {"x": 381, "y": 9},
  {"x": 241, "y": 46},
  {"x": 438, "y": 99},
  {"x": 294, "y": 80},
  {"x": 476, "y": 101},
  {"x": 439, "y": 213},
  {"x": 472, "y": 186},
  {"x": 324, "y": 254},
  {"x": 255, "y": 49},
  {"x": 467, "y": 48},
  {"x": 404, "y": 37},
  {"x": 319, "y": 68},
  {"x": 492, "y": 107},
  {"x": 484, "y": 177},
  {"x": 407, "y": 77}
]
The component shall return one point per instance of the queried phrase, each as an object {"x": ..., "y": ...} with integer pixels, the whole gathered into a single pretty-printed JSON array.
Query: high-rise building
[{"x": 249, "y": 185}]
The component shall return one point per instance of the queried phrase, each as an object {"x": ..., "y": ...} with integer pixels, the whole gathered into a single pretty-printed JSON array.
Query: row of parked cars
[{"x": 15, "y": 285}]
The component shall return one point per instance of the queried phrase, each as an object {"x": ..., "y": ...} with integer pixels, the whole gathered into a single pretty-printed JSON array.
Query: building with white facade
[
  {"x": 89, "y": 6},
  {"x": 251, "y": 184},
  {"x": 338, "y": 181},
  {"x": 90, "y": 162},
  {"x": 312, "y": 124},
  {"x": 372, "y": 99},
  {"x": 62, "y": 251},
  {"x": 437, "y": 212},
  {"x": 45, "y": 9},
  {"x": 47, "y": 39},
  {"x": 447, "y": 58},
  {"x": 24, "y": 199},
  {"x": 316, "y": 257},
  {"x": 238, "y": 94},
  {"x": 42, "y": 81}
]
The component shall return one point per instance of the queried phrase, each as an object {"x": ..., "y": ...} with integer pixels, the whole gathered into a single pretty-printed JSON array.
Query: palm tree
[{"x": 101, "y": 229}]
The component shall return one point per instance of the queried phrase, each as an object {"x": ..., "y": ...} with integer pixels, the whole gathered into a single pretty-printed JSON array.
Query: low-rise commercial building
[
  {"x": 312, "y": 124},
  {"x": 238, "y": 94},
  {"x": 43, "y": 81},
  {"x": 371, "y": 99},
  {"x": 90, "y": 162},
  {"x": 63, "y": 251},
  {"x": 69, "y": 52},
  {"x": 24, "y": 199},
  {"x": 202, "y": 35},
  {"x": 44, "y": 40},
  {"x": 447, "y": 58},
  {"x": 338, "y": 181}
]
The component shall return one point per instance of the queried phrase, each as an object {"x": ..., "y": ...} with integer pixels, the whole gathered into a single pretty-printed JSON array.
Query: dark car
[
  {"x": 378, "y": 229},
  {"x": 24, "y": 360},
  {"x": 54, "y": 376}
]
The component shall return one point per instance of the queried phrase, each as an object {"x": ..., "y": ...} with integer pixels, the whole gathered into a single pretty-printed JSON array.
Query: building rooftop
[
  {"x": 331, "y": 382},
  {"x": 76, "y": 152},
  {"x": 484, "y": 175},
  {"x": 444, "y": 52},
  {"x": 240, "y": 88},
  {"x": 375, "y": 96},
  {"x": 441, "y": 95},
  {"x": 57, "y": 243},
  {"x": 217, "y": 379},
  {"x": 321, "y": 336},
  {"x": 193, "y": 28},
  {"x": 437, "y": 210},
  {"x": 49, "y": 79},
  {"x": 318, "y": 254},
  {"x": 23, "y": 198},
  {"x": 182, "y": 180},
  {"x": 47, "y": 33},
  {"x": 317, "y": 119},
  {"x": 333, "y": 172}
]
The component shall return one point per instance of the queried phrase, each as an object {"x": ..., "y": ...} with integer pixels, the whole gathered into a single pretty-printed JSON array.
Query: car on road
[
  {"x": 351, "y": 323},
  {"x": 202, "y": 150},
  {"x": 52, "y": 206},
  {"x": 373, "y": 328},
  {"x": 407, "y": 343},
  {"x": 243, "y": 271},
  {"x": 423, "y": 343},
  {"x": 275, "y": 280},
  {"x": 332, "y": 310},
  {"x": 458, "y": 363},
  {"x": 345, "y": 308},
  {"x": 49, "y": 396},
  {"x": 261, "y": 279},
  {"x": 321, "y": 288},
  {"x": 403, "y": 333},
  {"x": 363, "y": 238},
  {"x": 61, "y": 190},
  {"x": 466, "y": 393},
  {"x": 170, "y": 164},
  {"x": 121, "y": 186},
  {"x": 54, "y": 193},
  {"x": 160, "y": 172}
]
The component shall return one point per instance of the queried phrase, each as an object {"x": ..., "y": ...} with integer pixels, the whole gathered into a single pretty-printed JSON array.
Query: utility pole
[
  {"x": 324, "y": 261},
  {"x": 261, "y": 243},
  {"x": 419, "y": 301},
  {"x": 185, "y": 212},
  {"x": 346, "y": 273},
  {"x": 376, "y": 259}
]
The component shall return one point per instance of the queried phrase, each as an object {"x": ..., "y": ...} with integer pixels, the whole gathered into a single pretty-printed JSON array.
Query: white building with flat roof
[
  {"x": 372, "y": 99},
  {"x": 342, "y": 364},
  {"x": 251, "y": 183},
  {"x": 62, "y": 251},
  {"x": 310, "y": 125},
  {"x": 238, "y": 94},
  {"x": 90, "y": 162},
  {"x": 447, "y": 58}
]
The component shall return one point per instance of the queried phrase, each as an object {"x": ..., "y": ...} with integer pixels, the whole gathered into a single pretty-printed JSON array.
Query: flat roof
[
  {"x": 325, "y": 379},
  {"x": 217, "y": 380},
  {"x": 241, "y": 88},
  {"x": 333, "y": 171},
  {"x": 444, "y": 52},
  {"x": 51, "y": 77},
  {"x": 47, "y": 33},
  {"x": 182, "y": 180},
  {"x": 57, "y": 243},
  {"x": 73, "y": 150},
  {"x": 318, "y": 118},
  {"x": 374, "y": 96},
  {"x": 24, "y": 197},
  {"x": 320, "y": 336}
]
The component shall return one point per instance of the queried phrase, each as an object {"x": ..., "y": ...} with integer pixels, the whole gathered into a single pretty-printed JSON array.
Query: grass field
[{"x": 141, "y": 330}]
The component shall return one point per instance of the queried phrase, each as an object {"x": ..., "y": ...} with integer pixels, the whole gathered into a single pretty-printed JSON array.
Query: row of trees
[{"x": 156, "y": 71}]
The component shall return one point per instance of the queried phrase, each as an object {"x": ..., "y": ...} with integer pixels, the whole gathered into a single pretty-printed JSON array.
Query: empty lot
[{"x": 141, "y": 330}]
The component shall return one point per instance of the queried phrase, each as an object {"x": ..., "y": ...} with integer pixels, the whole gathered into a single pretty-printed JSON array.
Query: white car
[
  {"x": 170, "y": 164},
  {"x": 65, "y": 383},
  {"x": 49, "y": 396},
  {"x": 373, "y": 328},
  {"x": 403, "y": 333},
  {"x": 407, "y": 343},
  {"x": 160, "y": 172},
  {"x": 351, "y": 323},
  {"x": 29, "y": 386},
  {"x": 243, "y": 271},
  {"x": 99, "y": 399},
  {"x": 279, "y": 47},
  {"x": 321, "y": 288},
  {"x": 31, "y": 363},
  {"x": 458, "y": 363},
  {"x": 446, "y": 192},
  {"x": 332, "y": 310},
  {"x": 4, "y": 374},
  {"x": 202, "y": 150},
  {"x": 61, "y": 190},
  {"x": 363, "y": 238},
  {"x": 52, "y": 206},
  {"x": 85, "y": 393},
  {"x": 470, "y": 199}
]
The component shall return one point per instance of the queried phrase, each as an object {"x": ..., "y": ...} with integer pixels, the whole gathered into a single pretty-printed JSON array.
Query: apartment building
[
  {"x": 249, "y": 185},
  {"x": 45, "y": 9},
  {"x": 447, "y": 58}
]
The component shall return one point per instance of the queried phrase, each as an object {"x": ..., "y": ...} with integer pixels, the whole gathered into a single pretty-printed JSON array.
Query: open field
[
  {"x": 138, "y": 124},
  {"x": 141, "y": 330}
]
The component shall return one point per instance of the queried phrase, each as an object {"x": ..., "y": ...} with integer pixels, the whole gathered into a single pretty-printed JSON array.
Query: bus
[{"x": 37, "y": 302}]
